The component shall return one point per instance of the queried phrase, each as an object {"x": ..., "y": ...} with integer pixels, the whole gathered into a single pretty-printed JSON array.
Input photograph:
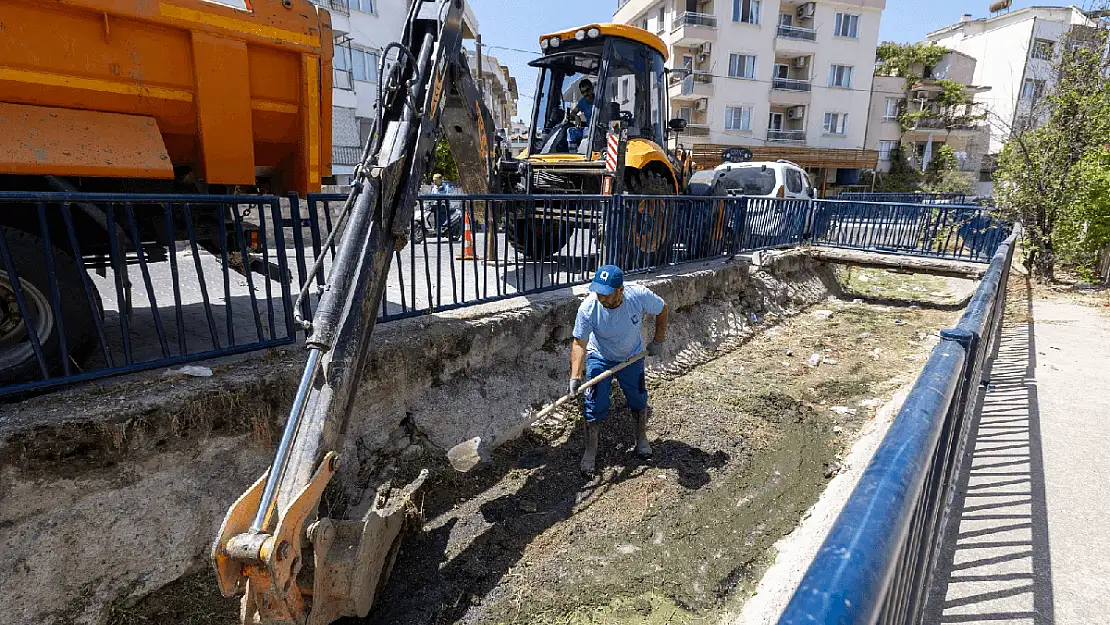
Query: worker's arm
[
  {"x": 578, "y": 360},
  {"x": 661, "y": 321}
]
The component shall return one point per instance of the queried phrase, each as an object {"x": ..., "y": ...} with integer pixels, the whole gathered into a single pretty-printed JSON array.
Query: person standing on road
[
  {"x": 607, "y": 332},
  {"x": 442, "y": 210}
]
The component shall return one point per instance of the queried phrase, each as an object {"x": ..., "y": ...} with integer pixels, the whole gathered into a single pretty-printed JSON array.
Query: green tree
[
  {"x": 443, "y": 163},
  {"x": 1053, "y": 179},
  {"x": 903, "y": 177}
]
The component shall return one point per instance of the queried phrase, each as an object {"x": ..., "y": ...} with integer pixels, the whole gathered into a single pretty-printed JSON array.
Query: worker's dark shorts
[{"x": 630, "y": 378}]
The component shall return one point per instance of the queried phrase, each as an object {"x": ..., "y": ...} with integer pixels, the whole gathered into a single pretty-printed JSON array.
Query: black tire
[
  {"x": 418, "y": 233},
  {"x": 18, "y": 362},
  {"x": 646, "y": 239},
  {"x": 537, "y": 239}
]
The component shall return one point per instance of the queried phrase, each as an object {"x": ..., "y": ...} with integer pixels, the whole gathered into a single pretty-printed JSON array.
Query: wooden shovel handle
[{"x": 605, "y": 375}]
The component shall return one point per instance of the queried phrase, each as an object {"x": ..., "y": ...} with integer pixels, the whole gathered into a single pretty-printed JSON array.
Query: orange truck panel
[
  {"x": 234, "y": 93},
  {"x": 65, "y": 142}
]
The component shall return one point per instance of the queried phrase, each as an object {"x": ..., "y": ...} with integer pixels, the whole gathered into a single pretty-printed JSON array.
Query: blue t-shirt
[
  {"x": 616, "y": 334},
  {"x": 586, "y": 108}
]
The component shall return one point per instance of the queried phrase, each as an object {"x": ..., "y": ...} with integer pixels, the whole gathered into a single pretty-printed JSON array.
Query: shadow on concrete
[
  {"x": 447, "y": 570},
  {"x": 994, "y": 563}
]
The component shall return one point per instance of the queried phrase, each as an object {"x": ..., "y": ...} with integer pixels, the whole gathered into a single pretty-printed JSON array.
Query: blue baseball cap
[{"x": 608, "y": 278}]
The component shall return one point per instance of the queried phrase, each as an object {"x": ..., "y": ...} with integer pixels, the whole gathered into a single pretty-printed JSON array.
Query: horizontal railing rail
[
  {"x": 695, "y": 19},
  {"x": 93, "y": 285},
  {"x": 795, "y": 32},
  {"x": 876, "y": 564},
  {"x": 786, "y": 135},
  {"x": 790, "y": 84},
  {"x": 905, "y": 198}
]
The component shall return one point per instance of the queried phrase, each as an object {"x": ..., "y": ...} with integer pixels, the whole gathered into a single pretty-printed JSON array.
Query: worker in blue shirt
[
  {"x": 607, "y": 332},
  {"x": 585, "y": 104}
]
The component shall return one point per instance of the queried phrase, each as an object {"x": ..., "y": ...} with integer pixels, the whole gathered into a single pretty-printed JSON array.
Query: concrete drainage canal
[{"x": 111, "y": 495}]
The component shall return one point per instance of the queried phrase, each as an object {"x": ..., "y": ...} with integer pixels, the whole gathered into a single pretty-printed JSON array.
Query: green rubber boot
[
  {"x": 643, "y": 447},
  {"x": 589, "y": 456}
]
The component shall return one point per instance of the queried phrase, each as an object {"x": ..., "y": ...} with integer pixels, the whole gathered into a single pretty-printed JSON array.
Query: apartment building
[
  {"x": 499, "y": 88},
  {"x": 1014, "y": 54},
  {"x": 930, "y": 123},
  {"x": 362, "y": 29},
  {"x": 786, "y": 78}
]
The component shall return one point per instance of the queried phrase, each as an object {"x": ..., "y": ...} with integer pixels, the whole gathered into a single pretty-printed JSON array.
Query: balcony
[
  {"x": 696, "y": 130},
  {"x": 936, "y": 122},
  {"x": 343, "y": 79},
  {"x": 695, "y": 86},
  {"x": 786, "y": 136},
  {"x": 345, "y": 154},
  {"x": 790, "y": 84},
  {"x": 692, "y": 29},
  {"x": 796, "y": 32},
  {"x": 334, "y": 6}
]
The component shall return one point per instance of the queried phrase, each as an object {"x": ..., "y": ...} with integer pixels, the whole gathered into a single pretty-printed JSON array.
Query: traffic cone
[{"x": 467, "y": 252}]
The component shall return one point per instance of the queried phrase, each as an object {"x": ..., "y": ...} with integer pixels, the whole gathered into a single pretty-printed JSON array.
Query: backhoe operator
[{"x": 607, "y": 332}]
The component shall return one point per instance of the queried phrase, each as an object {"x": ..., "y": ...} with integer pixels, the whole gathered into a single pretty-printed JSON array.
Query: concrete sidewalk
[{"x": 1029, "y": 536}]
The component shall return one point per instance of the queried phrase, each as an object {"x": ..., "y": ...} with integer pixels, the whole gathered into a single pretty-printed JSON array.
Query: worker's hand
[
  {"x": 655, "y": 348},
  {"x": 575, "y": 383}
]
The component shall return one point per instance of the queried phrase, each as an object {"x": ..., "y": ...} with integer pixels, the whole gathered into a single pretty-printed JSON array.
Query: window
[
  {"x": 1043, "y": 49},
  {"x": 688, "y": 61},
  {"x": 364, "y": 65},
  {"x": 661, "y": 23},
  {"x": 786, "y": 19},
  {"x": 893, "y": 105},
  {"x": 794, "y": 182},
  {"x": 751, "y": 180},
  {"x": 746, "y": 11},
  {"x": 836, "y": 123},
  {"x": 366, "y": 6},
  {"x": 1032, "y": 89},
  {"x": 741, "y": 65},
  {"x": 847, "y": 25},
  {"x": 840, "y": 76},
  {"x": 782, "y": 70},
  {"x": 774, "y": 121},
  {"x": 685, "y": 112},
  {"x": 986, "y": 175},
  {"x": 738, "y": 118},
  {"x": 886, "y": 148}
]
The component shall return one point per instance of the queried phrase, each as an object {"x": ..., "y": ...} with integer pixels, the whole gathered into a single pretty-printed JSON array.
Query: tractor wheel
[{"x": 645, "y": 233}]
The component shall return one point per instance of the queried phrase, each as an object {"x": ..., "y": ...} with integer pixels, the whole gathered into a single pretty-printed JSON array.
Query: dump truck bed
[{"x": 233, "y": 94}]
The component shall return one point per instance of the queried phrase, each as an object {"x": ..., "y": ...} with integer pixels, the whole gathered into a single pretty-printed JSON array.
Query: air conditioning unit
[
  {"x": 801, "y": 61},
  {"x": 807, "y": 10},
  {"x": 706, "y": 48},
  {"x": 921, "y": 95},
  {"x": 796, "y": 112},
  {"x": 701, "y": 105}
]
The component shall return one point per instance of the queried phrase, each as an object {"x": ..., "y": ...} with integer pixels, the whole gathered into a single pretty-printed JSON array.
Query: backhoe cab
[{"x": 590, "y": 77}]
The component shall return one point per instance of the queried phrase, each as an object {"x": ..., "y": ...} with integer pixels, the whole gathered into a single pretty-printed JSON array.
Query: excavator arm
[{"x": 273, "y": 530}]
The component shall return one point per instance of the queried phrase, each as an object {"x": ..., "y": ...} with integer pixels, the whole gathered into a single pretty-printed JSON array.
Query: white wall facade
[
  {"x": 763, "y": 40},
  {"x": 1002, "y": 47}
]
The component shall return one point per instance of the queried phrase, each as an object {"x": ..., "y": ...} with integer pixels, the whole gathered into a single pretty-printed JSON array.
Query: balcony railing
[
  {"x": 342, "y": 79},
  {"x": 942, "y": 123},
  {"x": 335, "y": 6},
  {"x": 345, "y": 154},
  {"x": 795, "y": 32},
  {"x": 790, "y": 84},
  {"x": 786, "y": 136},
  {"x": 704, "y": 20},
  {"x": 696, "y": 130}
]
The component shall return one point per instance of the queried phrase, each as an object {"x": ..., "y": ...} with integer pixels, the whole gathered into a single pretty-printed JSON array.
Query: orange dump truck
[
  {"x": 148, "y": 98},
  {"x": 183, "y": 95}
]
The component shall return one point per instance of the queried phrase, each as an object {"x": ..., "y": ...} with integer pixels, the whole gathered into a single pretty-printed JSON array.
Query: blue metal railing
[
  {"x": 940, "y": 231},
  {"x": 181, "y": 278},
  {"x": 876, "y": 563},
  {"x": 106, "y": 284},
  {"x": 905, "y": 198}
]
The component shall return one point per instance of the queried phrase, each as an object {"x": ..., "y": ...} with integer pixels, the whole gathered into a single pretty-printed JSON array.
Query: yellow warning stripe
[
  {"x": 93, "y": 84},
  {"x": 239, "y": 26}
]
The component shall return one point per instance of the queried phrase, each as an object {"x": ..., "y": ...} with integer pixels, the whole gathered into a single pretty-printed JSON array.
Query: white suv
[{"x": 759, "y": 179}]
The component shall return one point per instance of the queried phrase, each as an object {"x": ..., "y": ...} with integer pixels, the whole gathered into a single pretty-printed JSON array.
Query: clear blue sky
[{"x": 519, "y": 23}]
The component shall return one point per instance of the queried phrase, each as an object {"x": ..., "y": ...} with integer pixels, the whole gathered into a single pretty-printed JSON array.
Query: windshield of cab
[{"x": 565, "y": 101}]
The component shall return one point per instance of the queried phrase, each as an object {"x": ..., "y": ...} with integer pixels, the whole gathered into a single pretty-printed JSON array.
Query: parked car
[{"x": 780, "y": 178}]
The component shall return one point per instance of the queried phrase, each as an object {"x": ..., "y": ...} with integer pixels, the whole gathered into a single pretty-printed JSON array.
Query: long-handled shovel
[{"x": 471, "y": 453}]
